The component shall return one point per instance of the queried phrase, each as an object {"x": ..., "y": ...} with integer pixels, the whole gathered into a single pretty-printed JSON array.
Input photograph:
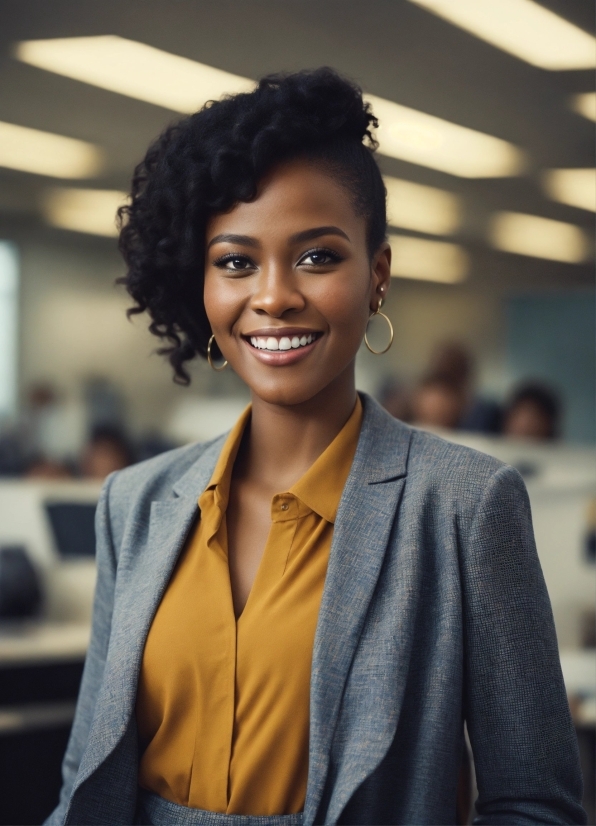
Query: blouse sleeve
[
  {"x": 96, "y": 654},
  {"x": 524, "y": 744}
]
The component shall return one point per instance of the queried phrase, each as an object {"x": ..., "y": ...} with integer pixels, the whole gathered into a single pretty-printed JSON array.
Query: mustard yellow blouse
[{"x": 223, "y": 705}]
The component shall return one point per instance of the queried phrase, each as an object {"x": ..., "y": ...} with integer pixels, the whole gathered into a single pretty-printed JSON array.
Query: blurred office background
[{"x": 487, "y": 145}]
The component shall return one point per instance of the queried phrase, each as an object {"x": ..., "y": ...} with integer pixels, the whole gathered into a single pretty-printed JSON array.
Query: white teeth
[{"x": 284, "y": 343}]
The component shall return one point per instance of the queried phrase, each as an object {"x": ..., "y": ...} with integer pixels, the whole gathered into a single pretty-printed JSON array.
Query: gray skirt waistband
[{"x": 153, "y": 810}]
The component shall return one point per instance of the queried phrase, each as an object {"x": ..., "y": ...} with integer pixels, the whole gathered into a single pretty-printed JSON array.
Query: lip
[
  {"x": 282, "y": 358},
  {"x": 279, "y": 332}
]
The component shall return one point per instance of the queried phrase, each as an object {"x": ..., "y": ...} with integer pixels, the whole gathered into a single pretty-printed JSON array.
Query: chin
[
  {"x": 286, "y": 397},
  {"x": 294, "y": 384},
  {"x": 286, "y": 392}
]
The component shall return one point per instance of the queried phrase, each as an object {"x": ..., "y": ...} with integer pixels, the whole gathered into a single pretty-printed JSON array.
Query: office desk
[{"x": 40, "y": 670}]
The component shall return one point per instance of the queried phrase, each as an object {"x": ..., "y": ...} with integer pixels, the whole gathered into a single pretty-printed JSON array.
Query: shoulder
[
  {"x": 158, "y": 473},
  {"x": 134, "y": 488},
  {"x": 464, "y": 478},
  {"x": 440, "y": 472},
  {"x": 437, "y": 456}
]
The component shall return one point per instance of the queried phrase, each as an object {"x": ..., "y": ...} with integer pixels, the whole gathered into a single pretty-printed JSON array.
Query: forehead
[{"x": 294, "y": 196}]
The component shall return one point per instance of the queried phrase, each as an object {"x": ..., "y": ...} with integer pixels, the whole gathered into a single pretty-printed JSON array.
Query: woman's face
[{"x": 289, "y": 285}]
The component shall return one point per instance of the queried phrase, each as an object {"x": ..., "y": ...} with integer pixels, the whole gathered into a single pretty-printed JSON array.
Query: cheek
[
  {"x": 345, "y": 306},
  {"x": 221, "y": 300}
]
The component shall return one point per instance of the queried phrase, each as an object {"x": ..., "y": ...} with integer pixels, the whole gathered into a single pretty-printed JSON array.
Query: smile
[
  {"x": 282, "y": 348},
  {"x": 283, "y": 343}
]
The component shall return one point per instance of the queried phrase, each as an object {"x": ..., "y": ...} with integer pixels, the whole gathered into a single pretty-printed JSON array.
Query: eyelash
[
  {"x": 232, "y": 256},
  {"x": 334, "y": 256}
]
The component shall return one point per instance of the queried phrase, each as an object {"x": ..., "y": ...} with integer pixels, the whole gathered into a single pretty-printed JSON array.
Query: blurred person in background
[
  {"x": 53, "y": 422},
  {"x": 23, "y": 446},
  {"x": 42, "y": 468},
  {"x": 454, "y": 364},
  {"x": 293, "y": 621},
  {"x": 533, "y": 412},
  {"x": 437, "y": 401},
  {"x": 106, "y": 451},
  {"x": 41, "y": 401}
]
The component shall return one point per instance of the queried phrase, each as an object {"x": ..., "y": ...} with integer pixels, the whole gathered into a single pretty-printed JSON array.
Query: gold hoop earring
[
  {"x": 378, "y": 312},
  {"x": 210, "y": 360}
]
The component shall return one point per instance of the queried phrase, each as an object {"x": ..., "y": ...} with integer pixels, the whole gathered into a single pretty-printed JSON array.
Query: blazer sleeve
[
  {"x": 96, "y": 654},
  {"x": 515, "y": 704}
]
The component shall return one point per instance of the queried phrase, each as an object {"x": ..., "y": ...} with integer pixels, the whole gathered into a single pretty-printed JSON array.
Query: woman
[{"x": 292, "y": 622}]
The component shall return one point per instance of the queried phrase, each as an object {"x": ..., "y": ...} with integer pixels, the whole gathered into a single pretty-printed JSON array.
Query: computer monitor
[{"x": 73, "y": 527}]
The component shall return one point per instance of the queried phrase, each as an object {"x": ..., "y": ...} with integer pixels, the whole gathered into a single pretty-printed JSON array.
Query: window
[{"x": 9, "y": 281}]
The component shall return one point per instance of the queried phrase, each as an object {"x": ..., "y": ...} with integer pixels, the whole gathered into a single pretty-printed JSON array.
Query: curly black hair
[{"x": 207, "y": 162}]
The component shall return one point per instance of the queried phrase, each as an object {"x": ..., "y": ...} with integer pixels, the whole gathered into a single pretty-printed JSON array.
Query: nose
[{"x": 277, "y": 292}]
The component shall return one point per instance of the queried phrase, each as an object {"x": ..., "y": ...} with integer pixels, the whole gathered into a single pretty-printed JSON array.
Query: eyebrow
[
  {"x": 245, "y": 240},
  {"x": 310, "y": 234},
  {"x": 305, "y": 235}
]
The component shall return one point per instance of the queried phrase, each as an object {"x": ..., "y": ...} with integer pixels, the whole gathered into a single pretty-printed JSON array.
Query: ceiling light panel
[
  {"x": 585, "y": 105},
  {"x": 576, "y": 187},
  {"x": 158, "y": 77},
  {"x": 83, "y": 210},
  {"x": 423, "y": 139},
  {"x": 538, "y": 237},
  {"x": 133, "y": 69},
  {"x": 424, "y": 260},
  {"x": 43, "y": 153},
  {"x": 523, "y": 28},
  {"x": 422, "y": 208}
]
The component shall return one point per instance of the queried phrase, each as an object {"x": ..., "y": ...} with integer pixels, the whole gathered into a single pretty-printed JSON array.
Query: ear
[{"x": 381, "y": 275}]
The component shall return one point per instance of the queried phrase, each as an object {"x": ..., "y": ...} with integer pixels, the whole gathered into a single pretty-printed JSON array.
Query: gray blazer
[{"x": 434, "y": 611}]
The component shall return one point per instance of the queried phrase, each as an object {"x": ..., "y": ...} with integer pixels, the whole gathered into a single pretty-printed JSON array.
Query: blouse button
[{"x": 284, "y": 507}]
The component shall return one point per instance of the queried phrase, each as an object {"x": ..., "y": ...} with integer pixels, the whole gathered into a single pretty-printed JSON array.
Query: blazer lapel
[
  {"x": 143, "y": 575},
  {"x": 364, "y": 521}
]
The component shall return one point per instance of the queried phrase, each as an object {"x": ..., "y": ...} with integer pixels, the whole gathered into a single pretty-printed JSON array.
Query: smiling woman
[
  {"x": 291, "y": 269},
  {"x": 293, "y": 622}
]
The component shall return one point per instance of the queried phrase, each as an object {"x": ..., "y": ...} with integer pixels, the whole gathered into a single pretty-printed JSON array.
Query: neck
[{"x": 285, "y": 440}]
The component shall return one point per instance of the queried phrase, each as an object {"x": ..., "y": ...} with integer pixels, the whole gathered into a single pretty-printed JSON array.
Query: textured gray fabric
[
  {"x": 434, "y": 611},
  {"x": 153, "y": 810}
]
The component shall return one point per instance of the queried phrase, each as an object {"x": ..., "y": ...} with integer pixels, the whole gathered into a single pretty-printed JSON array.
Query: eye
[
  {"x": 320, "y": 258},
  {"x": 233, "y": 262}
]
